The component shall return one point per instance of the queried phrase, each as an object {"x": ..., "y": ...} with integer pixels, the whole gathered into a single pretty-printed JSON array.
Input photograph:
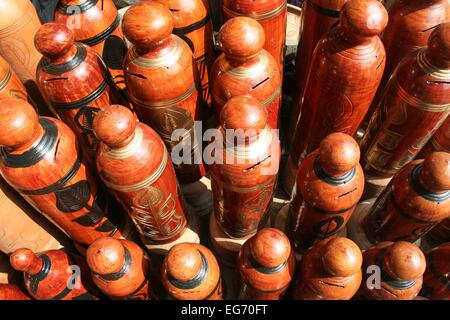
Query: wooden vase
[
  {"x": 11, "y": 292},
  {"x": 410, "y": 25},
  {"x": 440, "y": 141},
  {"x": 163, "y": 84},
  {"x": 134, "y": 164},
  {"x": 10, "y": 84},
  {"x": 41, "y": 159},
  {"x": 191, "y": 272},
  {"x": 119, "y": 268},
  {"x": 414, "y": 106},
  {"x": 345, "y": 72},
  {"x": 245, "y": 68},
  {"x": 54, "y": 275},
  {"x": 243, "y": 177},
  {"x": 96, "y": 24},
  {"x": 436, "y": 278},
  {"x": 416, "y": 200},
  {"x": 74, "y": 80},
  {"x": 266, "y": 265},
  {"x": 271, "y": 14},
  {"x": 192, "y": 23},
  {"x": 330, "y": 183},
  {"x": 329, "y": 270},
  {"x": 441, "y": 233},
  {"x": 396, "y": 270}
]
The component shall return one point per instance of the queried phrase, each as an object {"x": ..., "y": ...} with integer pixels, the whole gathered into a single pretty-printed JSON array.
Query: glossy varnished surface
[
  {"x": 329, "y": 270},
  {"x": 10, "y": 84},
  {"x": 266, "y": 265},
  {"x": 134, "y": 163},
  {"x": 245, "y": 68},
  {"x": 41, "y": 159},
  {"x": 161, "y": 79},
  {"x": 440, "y": 141},
  {"x": 402, "y": 265},
  {"x": 74, "y": 80},
  {"x": 415, "y": 105},
  {"x": 436, "y": 279},
  {"x": 243, "y": 186},
  {"x": 11, "y": 292},
  {"x": 345, "y": 71},
  {"x": 330, "y": 182},
  {"x": 191, "y": 272}
]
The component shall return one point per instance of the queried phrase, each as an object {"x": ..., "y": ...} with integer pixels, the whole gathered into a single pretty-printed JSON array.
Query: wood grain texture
[
  {"x": 271, "y": 14},
  {"x": 345, "y": 72},
  {"x": 48, "y": 275},
  {"x": 119, "y": 268},
  {"x": 436, "y": 277},
  {"x": 330, "y": 183},
  {"x": 266, "y": 265},
  {"x": 245, "y": 68},
  {"x": 329, "y": 270},
  {"x": 402, "y": 265},
  {"x": 440, "y": 141},
  {"x": 134, "y": 163},
  {"x": 75, "y": 81},
  {"x": 191, "y": 272},
  {"x": 162, "y": 80},
  {"x": 243, "y": 185},
  {"x": 415, "y": 105},
  {"x": 96, "y": 24},
  {"x": 41, "y": 159},
  {"x": 10, "y": 84},
  {"x": 417, "y": 199},
  {"x": 11, "y": 292}
]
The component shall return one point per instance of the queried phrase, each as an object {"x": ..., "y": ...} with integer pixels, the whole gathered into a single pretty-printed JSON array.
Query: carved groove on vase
[
  {"x": 244, "y": 72},
  {"x": 168, "y": 59},
  {"x": 261, "y": 16},
  {"x": 4, "y": 82},
  {"x": 167, "y": 103},
  {"x": 428, "y": 67}
]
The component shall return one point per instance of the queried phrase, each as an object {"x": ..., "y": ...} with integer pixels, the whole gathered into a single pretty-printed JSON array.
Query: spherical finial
[
  {"x": 113, "y": 125},
  {"x": 18, "y": 121},
  {"x": 105, "y": 255},
  {"x": 439, "y": 44},
  {"x": 23, "y": 260},
  {"x": 339, "y": 153},
  {"x": 183, "y": 262},
  {"x": 54, "y": 40},
  {"x": 241, "y": 38},
  {"x": 270, "y": 247},
  {"x": 364, "y": 18},
  {"x": 341, "y": 257},
  {"x": 435, "y": 175},
  {"x": 147, "y": 24},
  {"x": 404, "y": 261}
]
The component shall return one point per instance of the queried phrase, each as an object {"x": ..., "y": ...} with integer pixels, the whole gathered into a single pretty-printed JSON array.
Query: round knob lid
[
  {"x": 270, "y": 247},
  {"x": 439, "y": 43},
  {"x": 114, "y": 125},
  {"x": 147, "y": 24},
  {"x": 105, "y": 255},
  {"x": 54, "y": 40},
  {"x": 241, "y": 38},
  {"x": 25, "y": 260},
  {"x": 183, "y": 262},
  {"x": 435, "y": 175},
  {"x": 404, "y": 261},
  {"x": 339, "y": 153},
  {"x": 341, "y": 257},
  {"x": 18, "y": 121},
  {"x": 244, "y": 114},
  {"x": 364, "y": 18}
]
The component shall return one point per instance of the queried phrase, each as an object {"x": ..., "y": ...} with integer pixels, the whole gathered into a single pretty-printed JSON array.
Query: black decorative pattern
[
  {"x": 37, "y": 152},
  {"x": 34, "y": 280},
  {"x": 260, "y": 268},
  {"x": 85, "y": 6},
  {"x": 84, "y": 101},
  {"x": 72, "y": 63},
  {"x": 332, "y": 180},
  {"x": 119, "y": 274},
  {"x": 196, "y": 281},
  {"x": 102, "y": 35},
  {"x": 192, "y": 27}
]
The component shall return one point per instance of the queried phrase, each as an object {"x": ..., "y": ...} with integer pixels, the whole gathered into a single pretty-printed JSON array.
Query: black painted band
[
  {"x": 42, "y": 274},
  {"x": 192, "y": 27},
  {"x": 35, "y": 153},
  {"x": 60, "y": 183},
  {"x": 72, "y": 63},
  {"x": 422, "y": 191},
  {"x": 85, "y": 6},
  {"x": 102, "y": 36},
  {"x": 324, "y": 11},
  {"x": 196, "y": 281},
  {"x": 394, "y": 283},
  {"x": 84, "y": 101},
  {"x": 332, "y": 180},
  {"x": 119, "y": 274},
  {"x": 260, "y": 268}
]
